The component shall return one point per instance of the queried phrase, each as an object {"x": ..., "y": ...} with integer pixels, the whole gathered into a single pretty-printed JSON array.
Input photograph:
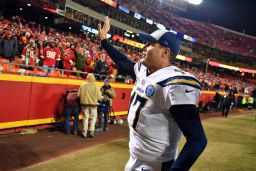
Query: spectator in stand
[
  {"x": 81, "y": 59},
  {"x": 69, "y": 58},
  {"x": 8, "y": 45},
  {"x": 101, "y": 67},
  {"x": 23, "y": 43},
  {"x": 88, "y": 67},
  {"x": 108, "y": 94},
  {"x": 60, "y": 63},
  {"x": 89, "y": 93},
  {"x": 28, "y": 36},
  {"x": 112, "y": 69},
  {"x": 30, "y": 54},
  {"x": 50, "y": 55}
]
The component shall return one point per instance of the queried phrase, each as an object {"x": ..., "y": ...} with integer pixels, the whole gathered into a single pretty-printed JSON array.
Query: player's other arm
[
  {"x": 188, "y": 120},
  {"x": 122, "y": 62}
]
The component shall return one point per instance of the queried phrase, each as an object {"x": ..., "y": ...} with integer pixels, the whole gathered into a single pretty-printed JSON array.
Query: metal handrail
[
  {"x": 22, "y": 71},
  {"x": 41, "y": 68}
]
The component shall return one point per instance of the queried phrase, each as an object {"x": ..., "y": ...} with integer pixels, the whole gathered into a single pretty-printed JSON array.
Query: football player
[{"x": 162, "y": 105}]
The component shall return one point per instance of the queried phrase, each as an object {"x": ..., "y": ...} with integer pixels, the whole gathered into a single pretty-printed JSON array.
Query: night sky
[{"x": 238, "y": 15}]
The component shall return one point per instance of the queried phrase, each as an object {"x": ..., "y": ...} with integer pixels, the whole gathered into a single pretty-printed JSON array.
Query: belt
[{"x": 89, "y": 105}]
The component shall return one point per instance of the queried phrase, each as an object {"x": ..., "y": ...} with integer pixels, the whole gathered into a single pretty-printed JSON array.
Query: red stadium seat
[
  {"x": 73, "y": 77},
  {"x": 57, "y": 73},
  {"x": 2, "y": 60},
  {"x": 5, "y": 67},
  {"x": 51, "y": 74},
  {"x": 63, "y": 76},
  {"x": 54, "y": 74},
  {"x": 14, "y": 69},
  {"x": 37, "y": 69},
  {"x": 18, "y": 60},
  {"x": 29, "y": 72},
  {"x": 40, "y": 73}
]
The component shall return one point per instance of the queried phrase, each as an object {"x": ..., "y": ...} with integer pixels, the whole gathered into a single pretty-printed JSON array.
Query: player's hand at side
[{"x": 104, "y": 30}]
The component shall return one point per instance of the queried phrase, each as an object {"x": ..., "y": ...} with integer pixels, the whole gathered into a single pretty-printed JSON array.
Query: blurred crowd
[
  {"x": 218, "y": 81},
  {"x": 49, "y": 49},
  {"x": 206, "y": 33}
]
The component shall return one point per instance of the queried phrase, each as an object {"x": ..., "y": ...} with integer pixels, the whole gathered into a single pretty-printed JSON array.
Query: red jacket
[
  {"x": 50, "y": 56},
  {"x": 69, "y": 55}
]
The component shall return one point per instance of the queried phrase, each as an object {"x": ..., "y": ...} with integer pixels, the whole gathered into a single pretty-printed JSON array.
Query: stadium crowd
[
  {"x": 40, "y": 46},
  {"x": 220, "y": 38},
  {"x": 220, "y": 81},
  {"x": 35, "y": 45}
]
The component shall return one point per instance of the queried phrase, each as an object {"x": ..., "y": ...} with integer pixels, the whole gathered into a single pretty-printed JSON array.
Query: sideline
[{"x": 21, "y": 151}]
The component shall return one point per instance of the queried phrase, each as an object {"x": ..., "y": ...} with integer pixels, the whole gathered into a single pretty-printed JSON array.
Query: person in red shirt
[
  {"x": 30, "y": 54},
  {"x": 69, "y": 58},
  {"x": 50, "y": 54}
]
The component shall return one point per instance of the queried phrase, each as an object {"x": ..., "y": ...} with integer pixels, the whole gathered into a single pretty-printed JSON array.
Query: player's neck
[{"x": 153, "y": 69}]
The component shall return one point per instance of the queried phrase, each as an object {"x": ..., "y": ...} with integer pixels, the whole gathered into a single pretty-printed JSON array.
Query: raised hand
[{"x": 104, "y": 30}]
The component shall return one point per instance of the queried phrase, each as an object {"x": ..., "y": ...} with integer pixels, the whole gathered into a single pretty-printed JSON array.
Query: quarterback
[{"x": 162, "y": 105}]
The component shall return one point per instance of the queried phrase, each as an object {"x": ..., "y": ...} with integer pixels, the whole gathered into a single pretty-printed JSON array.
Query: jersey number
[
  {"x": 50, "y": 54},
  {"x": 136, "y": 98}
]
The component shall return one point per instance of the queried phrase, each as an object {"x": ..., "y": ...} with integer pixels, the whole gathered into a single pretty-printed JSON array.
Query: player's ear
[{"x": 166, "y": 52}]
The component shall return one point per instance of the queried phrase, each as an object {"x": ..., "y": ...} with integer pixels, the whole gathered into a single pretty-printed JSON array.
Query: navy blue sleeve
[
  {"x": 123, "y": 63},
  {"x": 188, "y": 119}
]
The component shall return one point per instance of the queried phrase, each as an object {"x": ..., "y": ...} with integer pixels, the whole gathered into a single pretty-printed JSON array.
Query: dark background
[{"x": 238, "y": 15}]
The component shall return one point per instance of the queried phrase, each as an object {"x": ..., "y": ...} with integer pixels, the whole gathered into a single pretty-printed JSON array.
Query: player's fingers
[
  {"x": 106, "y": 23},
  {"x": 106, "y": 20},
  {"x": 99, "y": 27}
]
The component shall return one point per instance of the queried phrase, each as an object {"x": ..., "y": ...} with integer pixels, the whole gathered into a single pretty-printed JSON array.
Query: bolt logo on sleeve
[{"x": 149, "y": 91}]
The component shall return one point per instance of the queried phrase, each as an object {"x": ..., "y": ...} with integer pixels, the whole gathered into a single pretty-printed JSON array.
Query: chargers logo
[{"x": 150, "y": 90}]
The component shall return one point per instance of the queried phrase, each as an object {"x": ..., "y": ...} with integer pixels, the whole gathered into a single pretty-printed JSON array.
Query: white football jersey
[{"x": 154, "y": 134}]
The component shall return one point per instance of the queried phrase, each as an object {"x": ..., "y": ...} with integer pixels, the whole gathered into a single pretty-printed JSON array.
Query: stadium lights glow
[
  {"x": 46, "y": 18},
  {"x": 128, "y": 31},
  {"x": 127, "y": 34},
  {"x": 29, "y": 5},
  {"x": 194, "y": 2},
  {"x": 21, "y": 9},
  {"x": 69, "y": 28}
]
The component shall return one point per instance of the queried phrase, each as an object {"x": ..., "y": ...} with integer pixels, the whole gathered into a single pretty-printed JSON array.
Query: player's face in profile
[{"x": 151, "y": 55}]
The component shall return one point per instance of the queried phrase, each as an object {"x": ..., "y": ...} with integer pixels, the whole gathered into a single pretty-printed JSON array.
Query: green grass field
[{"x": 231, "y": 147}]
